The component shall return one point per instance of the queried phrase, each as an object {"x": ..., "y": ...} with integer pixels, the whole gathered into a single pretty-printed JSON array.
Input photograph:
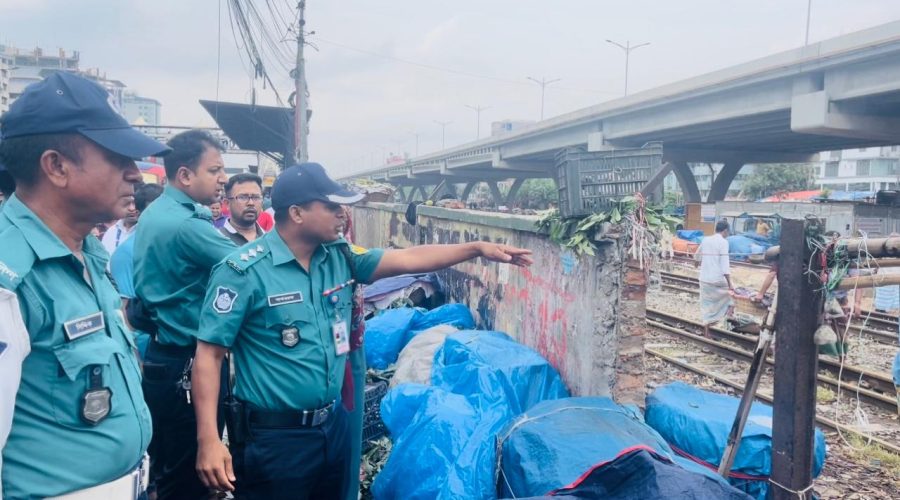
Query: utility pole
[
  {"x": 443, "y": 131},
  {"x": 543, "y": 82},
  {"x": 478, "y": 109},
  {"x": 808, "y": 12},
  {"x": 627, "y": 48},
  {"x": 301, "y": 106}
]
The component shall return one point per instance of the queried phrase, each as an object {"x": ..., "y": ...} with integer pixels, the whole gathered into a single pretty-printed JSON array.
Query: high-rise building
[
  {"x": 141, "y": 110},
  {"x": 4, "y": 84},
  {"x": 863, "y": 169}
]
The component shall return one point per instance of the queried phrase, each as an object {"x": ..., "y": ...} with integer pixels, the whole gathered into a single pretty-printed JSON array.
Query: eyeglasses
[{"x": 244, "y": 198}]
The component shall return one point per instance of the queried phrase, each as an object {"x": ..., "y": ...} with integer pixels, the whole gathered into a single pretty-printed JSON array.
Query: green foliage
[
  {"x": 577, "y": 234},
  {"x": 537, "y": 194},
  {"x": 771, "y": 178}
]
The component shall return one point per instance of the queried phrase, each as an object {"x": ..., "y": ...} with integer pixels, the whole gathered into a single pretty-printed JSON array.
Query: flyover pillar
[{"x": 723, "y": 180}]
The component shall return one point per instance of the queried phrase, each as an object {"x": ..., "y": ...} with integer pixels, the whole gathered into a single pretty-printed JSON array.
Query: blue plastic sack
[
  {"x": 480, "y": 381},
  {"x": 428, "y": 426},
  {"x": 697, "y": 423},
  {"x": 457, "y": 315},
  {"x": 557, "y": 442},
  {"x": 502, "y": 378},
  {"x": 386, "y": 334}
]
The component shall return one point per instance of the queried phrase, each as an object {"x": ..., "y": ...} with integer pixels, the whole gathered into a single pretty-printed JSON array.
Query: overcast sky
[{"x": 388, "y": 69}]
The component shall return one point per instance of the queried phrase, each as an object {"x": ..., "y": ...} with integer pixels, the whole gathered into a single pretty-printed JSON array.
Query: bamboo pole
[
  {"x": 870, "y": 281},
  {"x": 875, "y": 247}
]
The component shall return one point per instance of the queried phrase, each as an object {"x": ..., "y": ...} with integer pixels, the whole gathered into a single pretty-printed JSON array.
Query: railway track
[
  {"x": 821, "y": 420},
  {"x": 873, "y": 387},
  {"x": 887, "y": 335}
]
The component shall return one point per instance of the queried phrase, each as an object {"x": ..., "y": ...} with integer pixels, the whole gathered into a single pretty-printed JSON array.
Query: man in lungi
[{"x": 715, "y": 280}]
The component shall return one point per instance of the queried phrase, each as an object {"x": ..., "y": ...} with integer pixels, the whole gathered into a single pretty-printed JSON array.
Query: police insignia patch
[
  {"x": 358, "y": 250},
  {"x": 224, "y": 300},
  {"x": 290, "y": 336}
]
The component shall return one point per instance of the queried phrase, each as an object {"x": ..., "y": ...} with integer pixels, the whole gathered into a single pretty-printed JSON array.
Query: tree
[
  {"x": 537, "y": 194},
  {"x": 770, "y": 178}
]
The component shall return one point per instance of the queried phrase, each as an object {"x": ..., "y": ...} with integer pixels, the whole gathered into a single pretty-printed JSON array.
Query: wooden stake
[{"x": 793, "y": 429}]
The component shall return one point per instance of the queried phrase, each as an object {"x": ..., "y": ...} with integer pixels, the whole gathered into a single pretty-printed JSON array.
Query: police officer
[
  {"x": 282, "y": 305},
  {"x": 80, "y": 427},
  {"x": 175, "y": 247}
]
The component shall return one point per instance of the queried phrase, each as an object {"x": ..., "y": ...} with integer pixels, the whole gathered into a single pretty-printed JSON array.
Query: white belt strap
[{"x": 128, "y": 487}]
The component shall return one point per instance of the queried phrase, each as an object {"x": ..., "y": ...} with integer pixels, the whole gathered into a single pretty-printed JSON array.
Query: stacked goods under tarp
[
  {"x": 593, "y": 448},
  {"x": 696, "y": 423},
  {"x": 408, "y": 289},
  {"x": 445, "y": 434},
  {"x": 388, "y": 333},
  {"x": 417, "y": 358}
]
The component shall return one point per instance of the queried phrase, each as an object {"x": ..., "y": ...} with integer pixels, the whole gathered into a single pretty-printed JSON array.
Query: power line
[{"x": 449, "y": 70}]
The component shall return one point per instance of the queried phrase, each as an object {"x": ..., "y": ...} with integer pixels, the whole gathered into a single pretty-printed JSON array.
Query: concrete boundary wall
[{"x": 564, "y": 306}]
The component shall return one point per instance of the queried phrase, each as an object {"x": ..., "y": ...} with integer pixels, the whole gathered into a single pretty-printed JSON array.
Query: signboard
[{"x": 708, "y": 212}]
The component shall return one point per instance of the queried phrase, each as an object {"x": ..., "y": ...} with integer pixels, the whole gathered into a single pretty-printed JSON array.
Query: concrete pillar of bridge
[
  {"x": 400, "y": 194},
  {"x": 514, "y": 191},
  {"x": 723, "y": 181},
  {"x": 656, "y": 179},
  {"x": 686, "y": 181},
  {"x": 495, "y": 192},
  {"x": 467, "y": 191}
]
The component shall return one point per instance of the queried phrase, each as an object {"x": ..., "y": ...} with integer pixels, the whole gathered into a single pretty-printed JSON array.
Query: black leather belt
[
  {"x": 172, "y": 350},
  {"x": 292, "y": 419}
]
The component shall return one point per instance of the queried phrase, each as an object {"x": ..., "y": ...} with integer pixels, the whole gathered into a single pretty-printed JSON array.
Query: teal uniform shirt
[
  {"x": 175, "y": 247},
  {"x": 271, "y": 314},
  {"x": 77, "y": 333}
]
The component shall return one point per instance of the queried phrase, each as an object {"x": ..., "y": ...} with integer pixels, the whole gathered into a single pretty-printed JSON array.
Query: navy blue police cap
[
  {"x": 308, "y": 182},
  {"x": 65, "y": 103}
]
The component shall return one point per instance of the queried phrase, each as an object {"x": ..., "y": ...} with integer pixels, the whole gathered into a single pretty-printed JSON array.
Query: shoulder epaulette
[{"x": 246, "y": 256}]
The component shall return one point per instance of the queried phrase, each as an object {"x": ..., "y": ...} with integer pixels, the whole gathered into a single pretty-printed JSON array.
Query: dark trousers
[
  {"x": 294, "y": 464},
  {"x": 173, "y": 448}
]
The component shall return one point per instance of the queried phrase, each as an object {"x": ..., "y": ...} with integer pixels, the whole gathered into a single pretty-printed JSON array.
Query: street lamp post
[
  {"x": 443, "y": 131},
  {"x": 416, "y": 134},
  {"x": 543, "y": 82},
  {"x": 478, "y": 109},
  {"x": 627, "y": 48}
]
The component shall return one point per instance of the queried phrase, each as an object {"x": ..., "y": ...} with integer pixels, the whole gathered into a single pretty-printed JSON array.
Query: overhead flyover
[{"x": 839, "y": 93}]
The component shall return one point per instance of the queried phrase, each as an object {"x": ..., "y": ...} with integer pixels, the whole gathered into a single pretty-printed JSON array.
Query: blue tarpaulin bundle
[
  {"x": 692, "y": 235},
  {"x": 480, "y": 381},
  {"x": 388, "y": 333},
  {"x": 696, "y": 423},
  {"x": 551, "y": 449},
  {"x": 740, "y": 246}
]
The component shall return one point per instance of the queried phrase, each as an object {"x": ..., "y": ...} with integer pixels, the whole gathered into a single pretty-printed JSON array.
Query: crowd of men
[{"x": 85, "y": 413}]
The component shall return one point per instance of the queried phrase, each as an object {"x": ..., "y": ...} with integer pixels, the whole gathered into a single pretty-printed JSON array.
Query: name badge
[
  {"x": 285, "y": 298},
  {"x": 87, "y": 325}
]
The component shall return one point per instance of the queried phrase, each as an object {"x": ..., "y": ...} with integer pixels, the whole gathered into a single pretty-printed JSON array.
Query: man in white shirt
[
  {"x": 121, "y": 230},
  {"x": 14, "y": 347},
  {"x": 715, "y": 280}
]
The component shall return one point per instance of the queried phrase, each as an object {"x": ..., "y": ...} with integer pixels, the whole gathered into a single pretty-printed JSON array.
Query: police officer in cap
[
  {"x": 175, "y": 247},
  {"x": 282, "y": 305},
  {"x": 80, "y": 427}
]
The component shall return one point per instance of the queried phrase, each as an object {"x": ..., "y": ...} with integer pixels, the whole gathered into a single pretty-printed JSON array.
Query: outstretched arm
[{"x": 427, "y": 258}]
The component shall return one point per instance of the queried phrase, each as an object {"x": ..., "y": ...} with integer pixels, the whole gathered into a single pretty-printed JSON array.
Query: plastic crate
[
  {"x": 373, "y": 427},
  {"x": 590, "y": 181}
]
